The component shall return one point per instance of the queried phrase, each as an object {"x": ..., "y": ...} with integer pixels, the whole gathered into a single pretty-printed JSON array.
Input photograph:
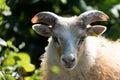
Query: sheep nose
[{"x": 68, "y": 60}]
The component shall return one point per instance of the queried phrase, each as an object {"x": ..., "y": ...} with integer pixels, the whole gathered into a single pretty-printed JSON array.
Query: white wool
[{"x": 101, "y": 58}]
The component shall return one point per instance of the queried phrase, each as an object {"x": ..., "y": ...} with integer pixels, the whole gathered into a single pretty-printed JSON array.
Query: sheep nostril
[
  {"x": 68, "y": 60},
  {"x": 73, "y": 60}
]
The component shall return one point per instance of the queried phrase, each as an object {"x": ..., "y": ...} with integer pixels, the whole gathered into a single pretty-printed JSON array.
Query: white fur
[{"x": 95, "y": 50}]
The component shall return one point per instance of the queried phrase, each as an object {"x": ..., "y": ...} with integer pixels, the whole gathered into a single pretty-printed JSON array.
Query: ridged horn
[
  {"x": 45, "y": 17},
  {"x": 93, "y": 16}
]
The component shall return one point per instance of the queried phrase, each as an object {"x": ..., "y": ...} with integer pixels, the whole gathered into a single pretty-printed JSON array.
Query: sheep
[{"x": 77, "y": 48}]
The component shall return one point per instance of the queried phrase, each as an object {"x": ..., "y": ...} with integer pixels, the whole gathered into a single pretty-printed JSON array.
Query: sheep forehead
[{"x": 68, "y": 30}]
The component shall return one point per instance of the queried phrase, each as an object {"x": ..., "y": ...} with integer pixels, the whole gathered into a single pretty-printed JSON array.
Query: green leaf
[
  {"x": 37, "y": 75},
  {"x": 9, "y": 43},
  {"x": 3, "y": 5},
  {"x": 55, "y": 69},
  {"x": 76, "y": 10},
  {"x": 1, "y": 20},
  {"x": 25, "y": 62},
  {"x": 56, "y": 8},
  {"x": 9, "y": 61},
  {"x": 27, "y": 78},
  {"x": 9, "y": 77},
  {"x": 27, "y": 66},
  {"x": 24, "y": 57}
]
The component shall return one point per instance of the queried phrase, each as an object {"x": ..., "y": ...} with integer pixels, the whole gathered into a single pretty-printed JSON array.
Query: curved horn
[
  {"x": 45, "y": 17},
  {"x": 93, "y": 16}
]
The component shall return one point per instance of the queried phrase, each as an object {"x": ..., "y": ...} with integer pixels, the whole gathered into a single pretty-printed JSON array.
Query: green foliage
[
  {"x": 1, "y": 20},
  {"x": 3, "y": 6},
  {"x": 55, "y": 69},
  {"x": 4, "y": 10},
  {"x": 13, "y": 62},
  {"x": 21, "y": 59}
]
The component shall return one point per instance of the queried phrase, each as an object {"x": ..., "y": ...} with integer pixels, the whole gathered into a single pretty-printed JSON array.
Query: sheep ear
[
  {"x": 43, "y": 30},
  {"x": 96, "y": 30}
]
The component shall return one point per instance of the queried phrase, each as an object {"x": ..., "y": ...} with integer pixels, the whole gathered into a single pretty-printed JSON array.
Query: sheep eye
[
  {"x": 81, "y": 39},
  {"x": 55, "y": 39}
]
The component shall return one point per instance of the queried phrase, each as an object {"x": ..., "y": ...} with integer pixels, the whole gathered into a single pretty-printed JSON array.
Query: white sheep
[{"x": 78, "y": 51}]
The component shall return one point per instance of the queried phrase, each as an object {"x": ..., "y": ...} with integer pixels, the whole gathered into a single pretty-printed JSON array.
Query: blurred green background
[{"x": 17, "y": 33}]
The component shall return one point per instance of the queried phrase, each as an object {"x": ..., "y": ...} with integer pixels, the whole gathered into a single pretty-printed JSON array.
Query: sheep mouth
[{"x": 69, "y": 66}]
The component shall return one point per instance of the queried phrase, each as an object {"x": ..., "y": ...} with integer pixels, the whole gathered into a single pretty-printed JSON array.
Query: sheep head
[{"x": 68, "y": 33}]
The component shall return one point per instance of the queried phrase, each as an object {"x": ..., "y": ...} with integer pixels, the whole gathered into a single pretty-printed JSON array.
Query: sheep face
[
  {"x": 68, "y": 38},
  {"x": 69, "y": 33}
]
